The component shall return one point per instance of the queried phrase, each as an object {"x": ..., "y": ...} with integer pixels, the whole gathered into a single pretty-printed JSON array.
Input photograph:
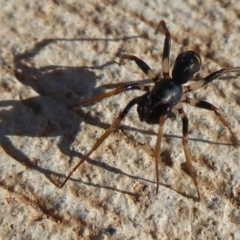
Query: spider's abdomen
[{"x": 159, "y": 101}]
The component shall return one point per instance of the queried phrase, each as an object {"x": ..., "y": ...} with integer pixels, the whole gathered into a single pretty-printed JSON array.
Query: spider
[{"x": 163, "y": 100}]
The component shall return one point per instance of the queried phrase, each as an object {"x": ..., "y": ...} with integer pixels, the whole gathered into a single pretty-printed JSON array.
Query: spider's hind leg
[
  {"x": 184, "y": 118},
  {"x": 158, "y": 148},
  {"x": 114, "y": 125}
]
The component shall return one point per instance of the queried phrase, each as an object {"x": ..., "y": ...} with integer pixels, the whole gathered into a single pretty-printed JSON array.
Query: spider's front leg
[
  {"x": 165, "y": 57},
  {"x": 166, "y": 48}
]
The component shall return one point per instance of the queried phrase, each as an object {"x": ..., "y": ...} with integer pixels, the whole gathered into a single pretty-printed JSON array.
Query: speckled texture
[{"x": 54, "y": 53}]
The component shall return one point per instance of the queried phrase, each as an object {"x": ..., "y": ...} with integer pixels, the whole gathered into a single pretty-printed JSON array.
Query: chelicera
[{"x": 164, "y": 99}]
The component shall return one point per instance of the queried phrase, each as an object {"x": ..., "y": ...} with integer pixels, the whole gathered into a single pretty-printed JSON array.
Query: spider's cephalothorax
[
  {"x": 159, "y": 101},
  {"x": 164, "y": 99}
]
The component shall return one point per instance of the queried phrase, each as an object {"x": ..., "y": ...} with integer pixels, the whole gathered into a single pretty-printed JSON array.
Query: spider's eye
[{"x": 186, "y": 65}]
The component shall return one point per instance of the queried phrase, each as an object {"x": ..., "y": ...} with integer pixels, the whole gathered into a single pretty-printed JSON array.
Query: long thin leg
[
  {"x": 127, "y": 87},
  {"x": 166, "y": 48},
  {"x": 185, "y": 145},
  {"x": 144, "y": 67},
  {"x": 208, "y": 106},
  {"x": 208, "y": 79},
  {"x": 104, "y": 136},
  {"x": 158, "y": 148}
]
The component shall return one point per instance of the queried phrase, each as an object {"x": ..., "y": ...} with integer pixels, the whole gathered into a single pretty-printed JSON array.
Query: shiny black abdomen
[{"x": 159, "y": 101}]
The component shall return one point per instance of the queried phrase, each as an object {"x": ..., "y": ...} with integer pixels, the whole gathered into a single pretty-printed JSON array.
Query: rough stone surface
[{"x": 55, "y": 53}]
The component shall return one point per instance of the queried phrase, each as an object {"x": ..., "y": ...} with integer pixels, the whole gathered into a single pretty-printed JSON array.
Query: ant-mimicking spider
[{"x": 164, "y": 99}]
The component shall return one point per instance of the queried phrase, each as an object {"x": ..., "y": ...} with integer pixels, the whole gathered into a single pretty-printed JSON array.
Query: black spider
[{"x": 164, "y": 99}]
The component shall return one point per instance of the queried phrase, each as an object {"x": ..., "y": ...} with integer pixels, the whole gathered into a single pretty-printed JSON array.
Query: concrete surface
[{"x": 55, "y": 53}]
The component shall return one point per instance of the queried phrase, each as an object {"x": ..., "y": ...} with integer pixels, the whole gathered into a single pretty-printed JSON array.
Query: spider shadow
[
  {"x": 47, "y": 114},
  {"x": 118, "y": 171}
]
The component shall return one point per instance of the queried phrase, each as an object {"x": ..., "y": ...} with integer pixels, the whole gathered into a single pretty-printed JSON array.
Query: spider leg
[
  {"x": 141, "y": 64},
  {"x": 158, "y": 148},
  {"x": 185, "y": 145},
  {"x": 208, "y": 79},
  {"x": 127, "y": 87},
  {"x": 208, "y": 106},
  {"x": 104, "y": 136},
  {"x": 166, "y": 48}
]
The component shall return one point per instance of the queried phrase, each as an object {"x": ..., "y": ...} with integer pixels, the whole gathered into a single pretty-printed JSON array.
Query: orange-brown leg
[
  {"x": 127, "y": 87},
  {"x": 185, "y": 145},
  {"x": 104, "y": 136},
  {"x": 158, "y": 148}
]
